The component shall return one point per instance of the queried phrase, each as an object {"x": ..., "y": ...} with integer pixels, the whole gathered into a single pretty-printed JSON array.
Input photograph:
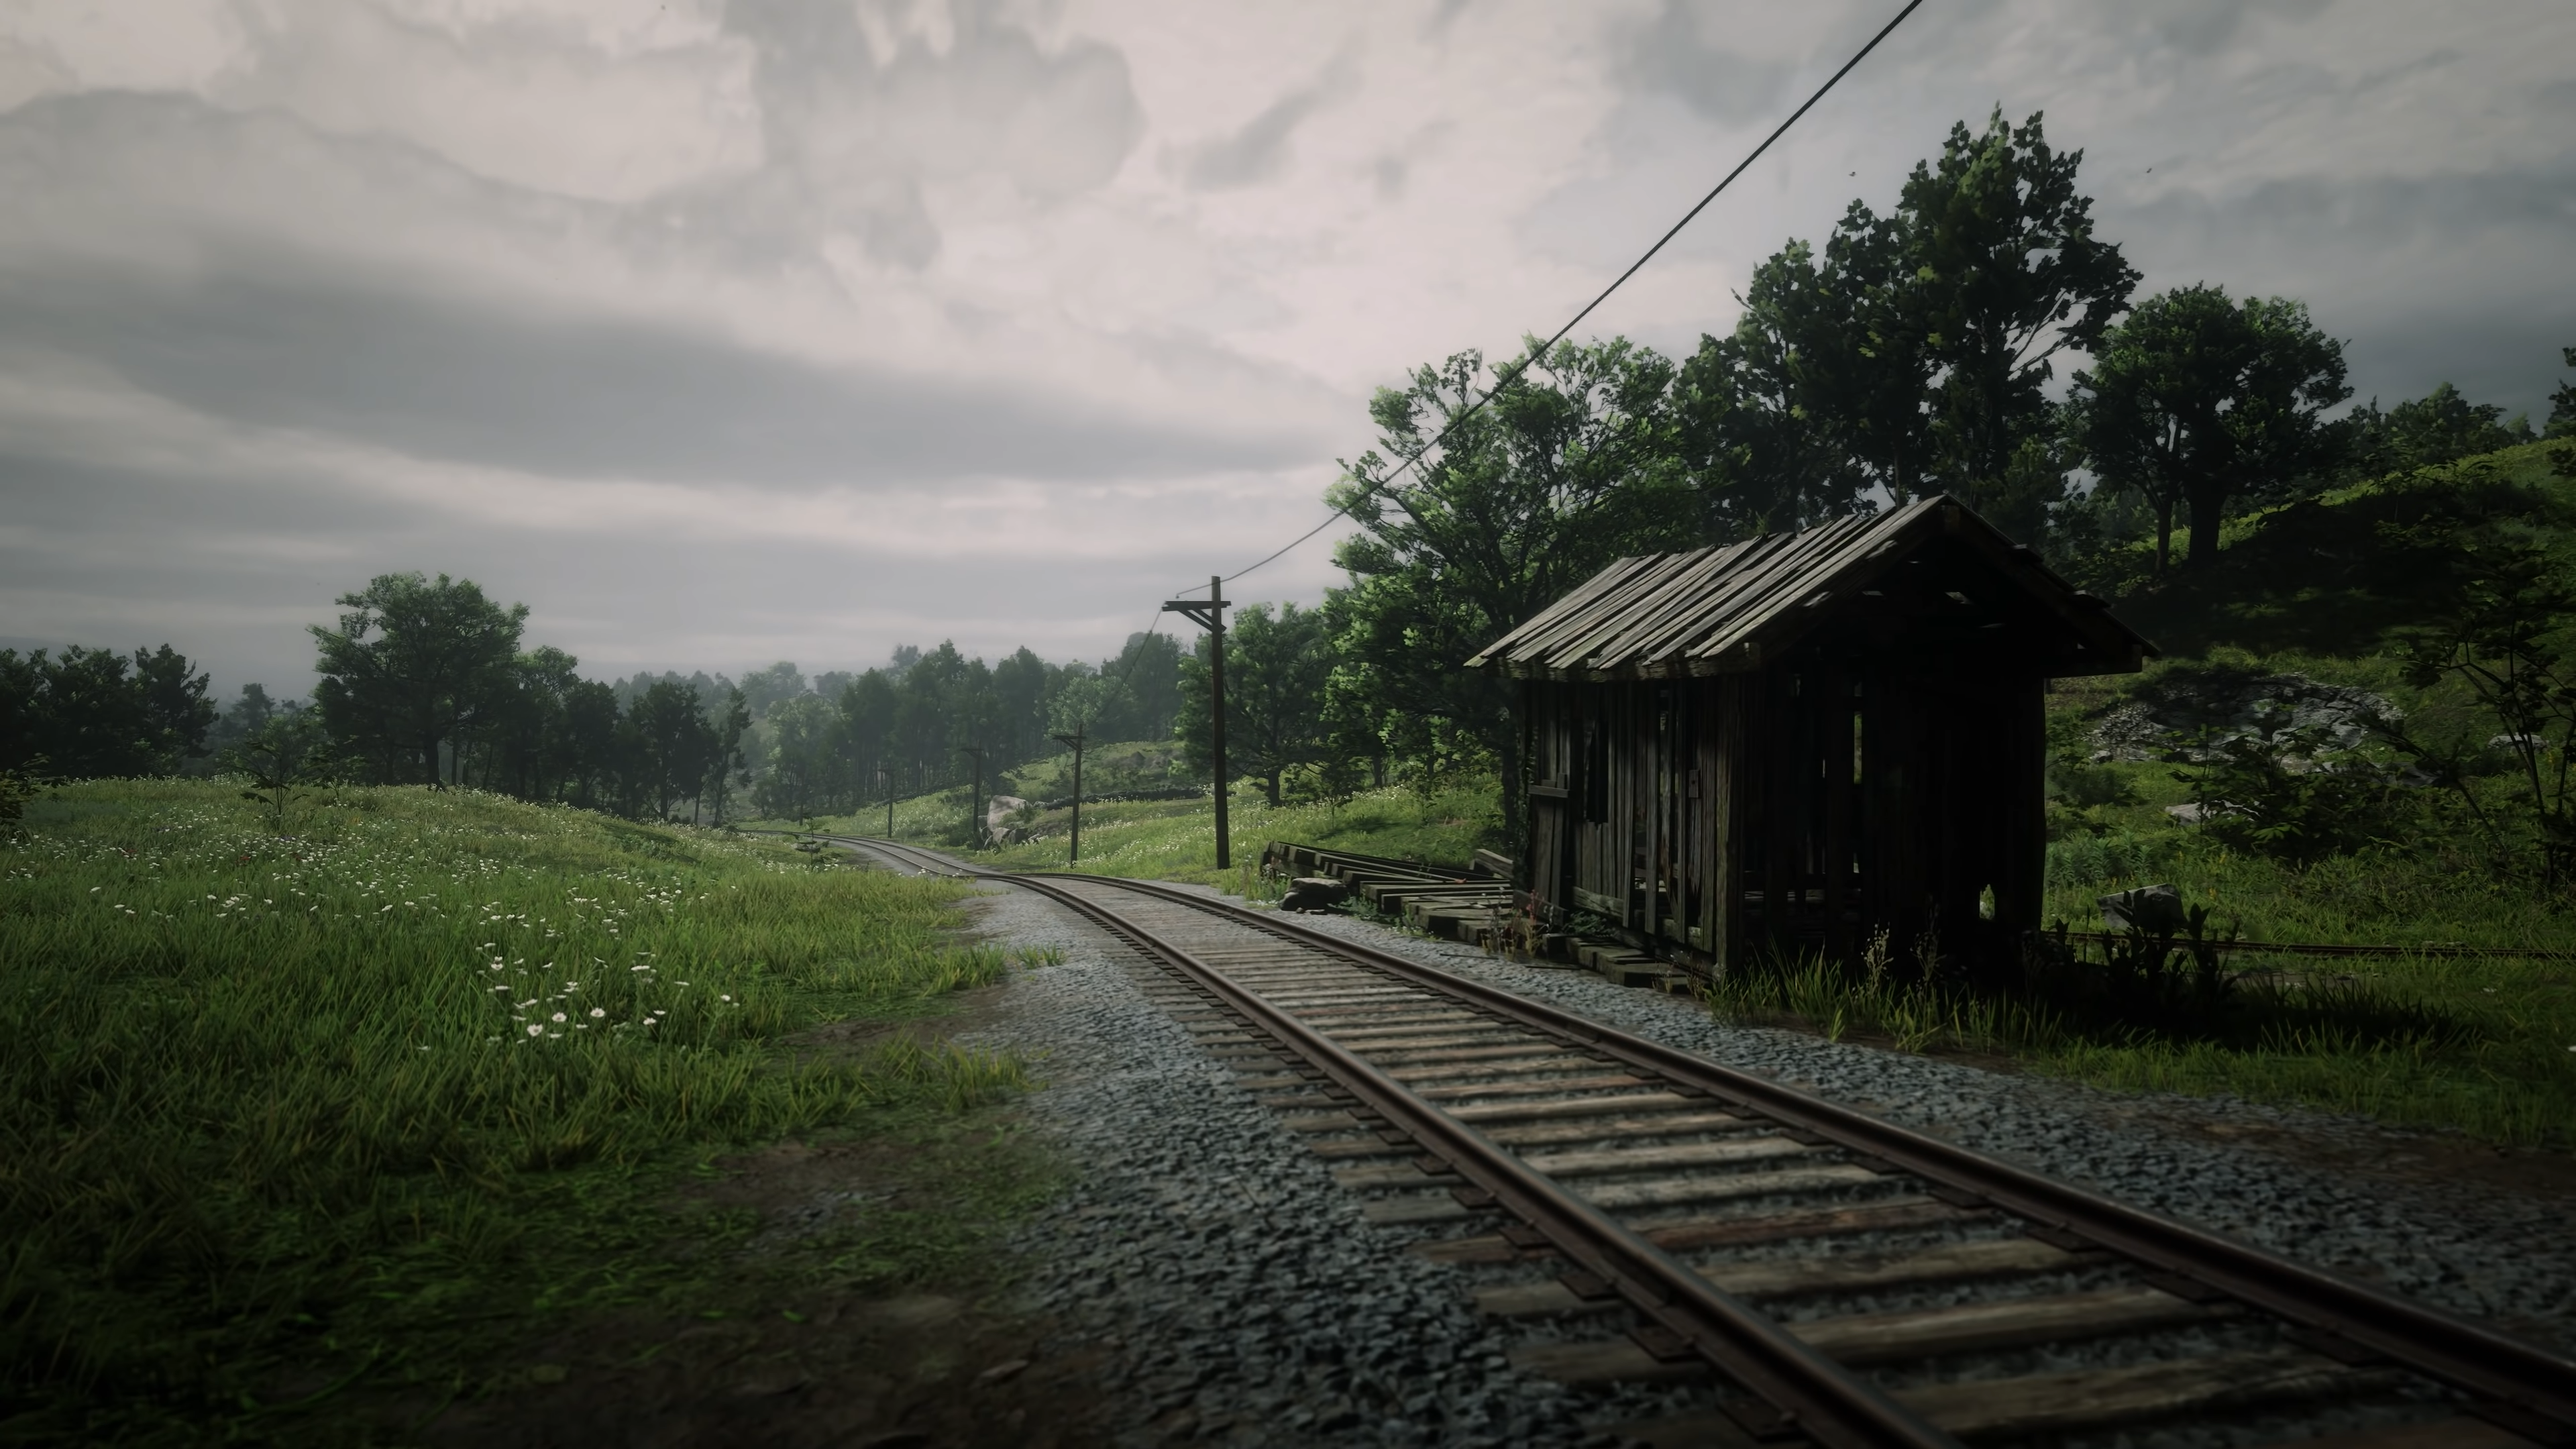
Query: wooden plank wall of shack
[{"x": 1743, "y": 749}]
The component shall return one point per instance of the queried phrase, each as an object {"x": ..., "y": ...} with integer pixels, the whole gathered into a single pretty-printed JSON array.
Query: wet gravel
[
  {"x": 1239, "y": 1295},
  {"x": 1239, "y": 1298}
]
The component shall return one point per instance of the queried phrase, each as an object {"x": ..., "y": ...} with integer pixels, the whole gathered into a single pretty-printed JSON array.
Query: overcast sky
[{"x": 726, "y": 332}]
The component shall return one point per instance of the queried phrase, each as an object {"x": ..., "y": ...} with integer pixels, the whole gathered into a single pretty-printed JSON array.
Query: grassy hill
[{"x": 386, "y": 1091}]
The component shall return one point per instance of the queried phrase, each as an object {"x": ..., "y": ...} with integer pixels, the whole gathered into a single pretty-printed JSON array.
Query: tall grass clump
[{"x": 288, "y": 1098}]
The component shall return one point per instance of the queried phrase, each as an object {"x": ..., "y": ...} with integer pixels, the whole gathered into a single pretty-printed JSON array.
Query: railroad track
[{"x": 1641, "y": 1213}]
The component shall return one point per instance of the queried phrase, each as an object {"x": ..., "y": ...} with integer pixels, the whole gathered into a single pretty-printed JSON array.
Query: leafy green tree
[
  {"x": 1143, "y": 693},
  {"x": 2438, "y": 428},
  {"x": 2562, "y": 402},
  {"x": 867, "y": 707},
  {"x": 175, "y": 708},
  {"x": 288, "y": 753},
  {"x": 1912, "y": 354},
  {"x": 676, "y": 745},
  {"x": 797, "y": 777},
  {"x": 413, "y": 663},
  {"x": 1768, "y": 420},
  {"x": 582, "y": 745},
  {"x": 2007, "y": 273},
  {"x": 2197, "y": 402},
  {"x": 1276, "y": 667},
  {"x": 94, "y": 712},
  {"x": 1570, "y": 466},
  {"x": 2504, "y": 627},
  {"x": 1019, "y": 706},
  {"x": 766, "y": 689}
]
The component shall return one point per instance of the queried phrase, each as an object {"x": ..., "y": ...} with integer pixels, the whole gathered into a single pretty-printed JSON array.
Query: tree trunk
[
  {"x": 1270, "y": 785},
  {"x": 1507, "y": 784},
  {"x": 2164, "y": 535},
  {"x": 2208, "y": 512}
]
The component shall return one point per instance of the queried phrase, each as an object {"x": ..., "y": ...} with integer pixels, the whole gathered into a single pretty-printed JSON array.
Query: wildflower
[
  {"x": 534, "y": 1030},
  {"x": 724, "y": 998},
  {"x": 598, "y": 1011},
  {"x": 559, "y": 1016}
]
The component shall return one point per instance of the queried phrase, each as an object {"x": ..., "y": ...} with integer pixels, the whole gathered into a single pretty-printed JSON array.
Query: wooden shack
[{"x": 1801, "y": 740}]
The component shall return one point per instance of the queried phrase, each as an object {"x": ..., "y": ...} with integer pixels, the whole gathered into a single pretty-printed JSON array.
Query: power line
[{"x": 1413, "y": 461}]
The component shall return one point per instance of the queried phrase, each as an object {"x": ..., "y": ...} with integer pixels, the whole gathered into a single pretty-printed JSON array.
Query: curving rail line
[{"x": 1614, "y": 1154}]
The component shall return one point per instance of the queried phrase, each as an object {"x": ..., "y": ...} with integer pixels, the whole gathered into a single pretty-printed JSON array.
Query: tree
[
  {"x": 726, "y": 758},
  {"x": 1570, "y": 466},
  {"x": 676, "y": 744},
  {"x": 2197, "y": 402},
  {"x": 583, "y": 744},
  {"x": 413, "y": 663},
  {"x": 1818, "y": 393},
  {"x": 93, "y": 712},
  {"x": 2006, "y": 273},
  {"x": 1913, "y": 353},
  {"x": 765, "y": 689},
  {"x": 286, "y": 753},
  {"x": 2505, "y": 627},
  {"x": 798, "y": 775},
  {"x": 1276, "y": 665},
  {"x": 176, "y": 712},
  {"x": 1143, "y": 694},
  {"x": 2562, "y": 402}
]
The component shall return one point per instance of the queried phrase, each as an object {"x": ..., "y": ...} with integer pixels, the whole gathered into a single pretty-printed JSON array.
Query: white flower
[
  {"x": 559, "y": 1016},
  {"x": 598, "y": 1011},
  {"x": 536, "y": 1031}
]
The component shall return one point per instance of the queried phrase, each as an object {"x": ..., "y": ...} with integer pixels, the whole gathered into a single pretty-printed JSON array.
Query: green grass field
[
  {"x": 1176, "y": 839},
  {"x": 382, "y": 1092},
  {"x": 2483, "y": 1043}
]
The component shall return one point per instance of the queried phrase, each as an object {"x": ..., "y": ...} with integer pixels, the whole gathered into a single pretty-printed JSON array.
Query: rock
[
  {"x": 1000, "y": 1372},
  {"x": 1000, "y": 808},
  {"x": 1314, "y": 893},
  {"x": 2155, "y": 909}
]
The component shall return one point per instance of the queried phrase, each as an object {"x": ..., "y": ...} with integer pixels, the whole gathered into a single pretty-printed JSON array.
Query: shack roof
[{"x": 1721, "y": 610}]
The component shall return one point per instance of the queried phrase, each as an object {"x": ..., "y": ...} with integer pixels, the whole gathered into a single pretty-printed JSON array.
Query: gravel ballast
[{"x": 1241, "y": 1299}]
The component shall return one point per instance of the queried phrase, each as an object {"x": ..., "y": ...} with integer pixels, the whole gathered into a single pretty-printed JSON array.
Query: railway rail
[{"x": 1648, "y": 1214}]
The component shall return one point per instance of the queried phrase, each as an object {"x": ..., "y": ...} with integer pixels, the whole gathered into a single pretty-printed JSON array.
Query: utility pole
[
  {"x": 885, "y": 782},
  {"x": 1073, "y": 742},
  {"x": 1210, "y": 615},
  {"x": 975, "y": 797}
]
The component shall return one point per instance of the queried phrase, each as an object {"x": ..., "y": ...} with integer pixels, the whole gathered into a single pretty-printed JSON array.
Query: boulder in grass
[
  {"x": 1314, "y": 893},
  {"x": 2154, "y": 909}
]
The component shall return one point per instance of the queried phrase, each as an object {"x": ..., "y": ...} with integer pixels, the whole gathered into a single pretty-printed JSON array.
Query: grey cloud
[
  {"x": 1670, "y": 53},
  {"x": 393, "y": 362},
  {"x": 859, "y": 136},
  {"x": 123, "y": 557},
  {"x": 2202, "y": 27},
  {"x": 2414, "y": 269},
  {"x": 1258, "y": 151}
]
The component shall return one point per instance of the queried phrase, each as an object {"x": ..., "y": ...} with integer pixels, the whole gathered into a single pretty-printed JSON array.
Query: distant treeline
[{"x": 428, "y": 681}]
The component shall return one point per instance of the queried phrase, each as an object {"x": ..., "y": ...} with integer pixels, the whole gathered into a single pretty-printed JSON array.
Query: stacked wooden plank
[{"x": 1474, "y": 904}]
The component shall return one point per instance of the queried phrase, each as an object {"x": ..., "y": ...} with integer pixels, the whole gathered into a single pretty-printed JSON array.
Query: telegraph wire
[{"x": 1413, "y": 461}]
